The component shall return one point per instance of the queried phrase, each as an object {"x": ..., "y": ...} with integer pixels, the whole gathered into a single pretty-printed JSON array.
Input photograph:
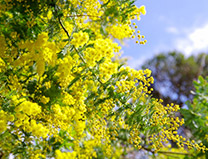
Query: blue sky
[{"x": 170, "y": 25}]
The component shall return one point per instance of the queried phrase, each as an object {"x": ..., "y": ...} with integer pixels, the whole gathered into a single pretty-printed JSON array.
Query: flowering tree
[{"x": 64, "y": 93}]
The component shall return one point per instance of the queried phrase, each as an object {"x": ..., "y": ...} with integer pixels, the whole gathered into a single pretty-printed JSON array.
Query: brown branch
[
  {"x": 171, "y": 152},
  {"x": 1, "y": 154},
  {"x": 166, "y": 152},
  {"x": 148, "y": 149}
]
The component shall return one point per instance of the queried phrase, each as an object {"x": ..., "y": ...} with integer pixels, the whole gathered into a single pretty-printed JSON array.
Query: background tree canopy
[{"x": 174, "y": 75}]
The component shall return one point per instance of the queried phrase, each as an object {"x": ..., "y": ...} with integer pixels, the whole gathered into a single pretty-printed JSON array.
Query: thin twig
[
  {"x": 83, "y": 60},
  {"x": 82, "y": 16}
]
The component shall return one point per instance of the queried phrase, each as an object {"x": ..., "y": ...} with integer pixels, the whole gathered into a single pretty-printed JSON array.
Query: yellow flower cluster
[
  {"x": 65, "y": 155},
  {"x": 45, "y": 99},
  {"x": 102, "y": 48},
  {"x": 38, "y": 130},
  {"x": 62, "y": 116},
  {"x": 29, "y": 108},
  {"x": 79, "y": 39},
  {"x": 139, "y": 11},
  {"x": 42, "y": 51},
  {"x": 64, "y": 69},
  {"x": 2, "y": 64},
  {"x": 120, "y": 32},
  {"x": 4, "y": 119},
  {"x": 68, "y": 99},
  {"x": 92, "y": 7}
]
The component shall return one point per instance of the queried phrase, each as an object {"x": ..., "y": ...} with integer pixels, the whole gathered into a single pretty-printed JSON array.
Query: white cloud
[
  {"x": 195, "y": 41},
  {"x": 172, "y": 30}
]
